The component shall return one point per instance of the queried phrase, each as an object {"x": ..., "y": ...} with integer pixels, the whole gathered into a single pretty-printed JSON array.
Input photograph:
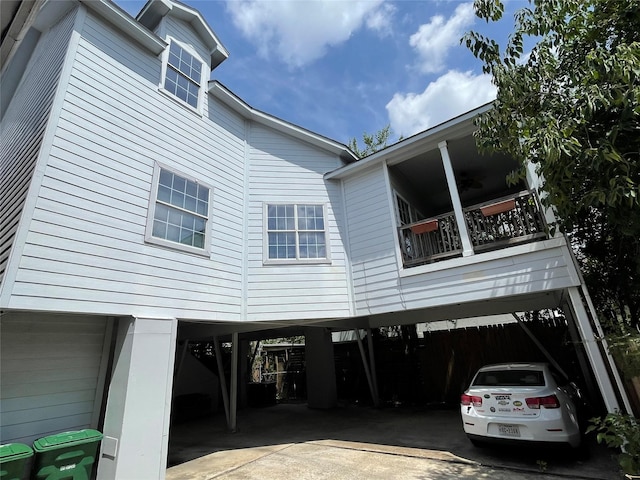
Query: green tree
[
  {"x": 372, "y": 142},
  {"x": 571, "y": 107}
]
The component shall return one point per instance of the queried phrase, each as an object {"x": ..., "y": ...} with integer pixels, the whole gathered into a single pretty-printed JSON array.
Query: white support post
[
  {"x": 467, "y": 247},
  {"x": 596, "y": 357},
  {"x": 136, "y": 425}
]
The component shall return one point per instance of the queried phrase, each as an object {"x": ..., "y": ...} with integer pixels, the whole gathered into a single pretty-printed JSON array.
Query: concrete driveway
[{"x": 293, "y": 441}]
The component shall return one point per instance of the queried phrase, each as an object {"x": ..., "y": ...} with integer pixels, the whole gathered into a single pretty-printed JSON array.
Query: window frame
[
  {"x": 166, "y": 66},
  {"x": 298, "y": 260},
  {"x": 153, "y": 203}
]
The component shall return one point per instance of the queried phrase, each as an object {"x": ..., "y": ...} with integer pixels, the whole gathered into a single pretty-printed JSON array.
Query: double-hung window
[
  {"x": 183, "y": 75},
  {"x": 296, "y": 232},
  {"x": 179, "y": 212}
]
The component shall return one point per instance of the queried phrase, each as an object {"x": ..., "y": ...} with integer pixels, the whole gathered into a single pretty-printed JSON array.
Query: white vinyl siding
[
  {"x": 379, "y": 286},
  {"x": 286, "y": 171},
  {"x": 85, "y": 250},
  {"x": 23, "y": 128},
  {"x": 50, "y": 374}
]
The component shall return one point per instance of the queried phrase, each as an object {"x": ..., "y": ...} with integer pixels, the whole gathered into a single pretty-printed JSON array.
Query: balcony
[{"x": 491, "y": 225}]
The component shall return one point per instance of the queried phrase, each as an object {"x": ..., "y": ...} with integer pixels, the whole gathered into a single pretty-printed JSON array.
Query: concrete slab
[{"x": 293, "y": 441}]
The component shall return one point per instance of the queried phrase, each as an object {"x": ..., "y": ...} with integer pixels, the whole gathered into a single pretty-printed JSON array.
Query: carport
[
  {"x": 592, "y": 363},
  {"x": 352, "y": 441}
]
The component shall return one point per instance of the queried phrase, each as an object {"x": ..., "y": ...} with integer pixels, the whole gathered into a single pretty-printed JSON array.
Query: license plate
[{"x": 509, "y": 430}]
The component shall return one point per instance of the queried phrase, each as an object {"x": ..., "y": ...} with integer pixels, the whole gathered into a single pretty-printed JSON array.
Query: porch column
[
  {"x": 320, "y": 368},
  {"x": 136, "y": 425},
  {"x": 467, "y": 248},
  {"x": 596, "y": 355}
]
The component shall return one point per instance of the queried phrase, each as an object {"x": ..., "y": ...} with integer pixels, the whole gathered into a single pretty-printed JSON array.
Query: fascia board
[
  {"x": 17, "y": 28},
  {"x": 155, "y": 10},
  {"x": 238, "y": 105},
  {"x": 127, "y": 24},
  {"x": 420, "y": 142}
]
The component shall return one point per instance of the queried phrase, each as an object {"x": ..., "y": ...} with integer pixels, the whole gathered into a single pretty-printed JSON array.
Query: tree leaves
[
  {"x": 572, "y": 109},
  {"x": 372, "y": 142}
]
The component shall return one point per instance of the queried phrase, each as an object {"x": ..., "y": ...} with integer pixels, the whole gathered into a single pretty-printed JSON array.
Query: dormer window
[{"x": 183, "y": 75}]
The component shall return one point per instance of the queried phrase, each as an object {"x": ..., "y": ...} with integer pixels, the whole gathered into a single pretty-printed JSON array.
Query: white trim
[
  {"x": 346, "y": 244},
  {"x": 203, "y": 77},
  {"x": 154, "y": 12},
  {"x": 124, "y": 22},
  {"x": 244, "y": 286},
  {"x": 220, "y": 92},
  {"x": 295, "y": 261},
  {"x": 507, "y": 253},
  {"x": 391, "y": 200},
  {"x": 153, "y": 199}
]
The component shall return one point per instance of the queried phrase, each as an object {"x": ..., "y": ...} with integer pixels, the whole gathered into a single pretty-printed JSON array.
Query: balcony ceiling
[{"x": 479, "y": 177}]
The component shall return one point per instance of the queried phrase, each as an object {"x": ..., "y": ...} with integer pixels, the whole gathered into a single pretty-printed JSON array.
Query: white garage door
[{"x": 50, "y": 370}]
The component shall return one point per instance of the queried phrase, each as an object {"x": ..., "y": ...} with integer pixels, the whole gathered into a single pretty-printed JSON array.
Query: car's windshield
[{"x": 510, "y": 378}]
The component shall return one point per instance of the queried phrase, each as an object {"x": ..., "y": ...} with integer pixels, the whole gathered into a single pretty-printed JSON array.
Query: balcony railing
[
  {"x": 491, "y": 225},
  {"x": 430, "y": 240},
  {"x": 505, "y": 221}
]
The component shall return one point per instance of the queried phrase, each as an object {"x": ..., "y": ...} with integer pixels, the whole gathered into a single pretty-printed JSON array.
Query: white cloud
[
  {"x": 380, "y": 20},
  {"x": 299, "y": 32},
  {"x": 434, "y": 39},
  {"x": 453, "y": 94}
]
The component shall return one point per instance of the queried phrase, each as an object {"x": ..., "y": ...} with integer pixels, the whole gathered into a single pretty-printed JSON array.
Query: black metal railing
[
  {"x": 505, "y": 221},
  {"x": 429, "y": 240},
  {"x": 491, "y": 225}
]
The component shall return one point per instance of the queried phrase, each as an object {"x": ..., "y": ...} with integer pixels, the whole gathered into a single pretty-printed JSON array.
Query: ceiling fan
[{"x": 467, "y": 180}]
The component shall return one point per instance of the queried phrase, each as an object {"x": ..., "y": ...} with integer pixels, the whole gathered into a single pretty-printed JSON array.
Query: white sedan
[{"x": 519, "y": 402}]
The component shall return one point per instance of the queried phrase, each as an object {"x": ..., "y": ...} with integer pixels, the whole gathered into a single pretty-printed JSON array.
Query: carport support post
[
  {"x": 223, "y": 380},
  {"x": 595, "y": 355},
  {"x": 544, "y": 351},
  {"x": 372, "y": 361},
  {"x": 234, "y": 381},
  {"x": 372, "y": 386},
  {"x": 320, "y": 368},
  {"x": 136, "y": 425}
]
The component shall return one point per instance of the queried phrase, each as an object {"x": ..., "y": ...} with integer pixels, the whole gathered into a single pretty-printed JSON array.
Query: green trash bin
[
  {"x": 67, "y": 455},
  {"x": 14, "y": 461}
]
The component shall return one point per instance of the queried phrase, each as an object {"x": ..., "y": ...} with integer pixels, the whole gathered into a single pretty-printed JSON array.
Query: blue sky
[{"x": 344, "y": 67}]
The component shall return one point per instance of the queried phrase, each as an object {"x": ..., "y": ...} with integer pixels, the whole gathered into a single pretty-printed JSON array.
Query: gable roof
[
  {"x": 227, "y": 97},
  {"x": 155, "y": 10}
]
